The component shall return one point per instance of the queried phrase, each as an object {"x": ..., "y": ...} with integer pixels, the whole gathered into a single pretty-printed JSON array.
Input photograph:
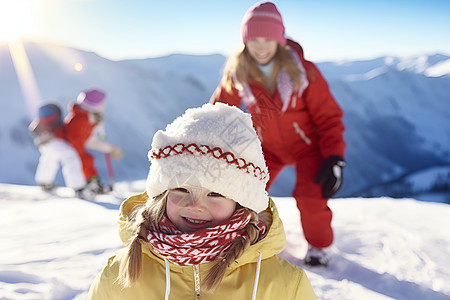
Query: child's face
[
  {"x": 194, "y": 208},
  {"x": 262, "y": 50}
]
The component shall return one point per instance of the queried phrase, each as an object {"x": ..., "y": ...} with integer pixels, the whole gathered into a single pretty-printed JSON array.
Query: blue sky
[{"x": 328, "y": 30}]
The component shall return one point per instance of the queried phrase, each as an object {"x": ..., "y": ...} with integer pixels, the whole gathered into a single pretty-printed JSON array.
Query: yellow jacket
[{"x": 277, "y": 279}]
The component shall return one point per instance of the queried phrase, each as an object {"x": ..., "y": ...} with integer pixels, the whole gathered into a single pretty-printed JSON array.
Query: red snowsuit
[
  {"x": 78, "y": 129},
  {"x": 305, "y": 134}
]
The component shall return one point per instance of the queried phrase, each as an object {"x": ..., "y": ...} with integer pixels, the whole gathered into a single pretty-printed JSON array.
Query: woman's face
[
  {"x": 262, "y": 50},
  {"x": 195, "y": 208}
]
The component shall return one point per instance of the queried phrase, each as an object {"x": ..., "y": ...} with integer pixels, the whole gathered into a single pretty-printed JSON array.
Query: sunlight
[
  {"x": 78, "y": 67},
  {"x": 26, "y": 77},
  {"x": 15, "y": 19}
]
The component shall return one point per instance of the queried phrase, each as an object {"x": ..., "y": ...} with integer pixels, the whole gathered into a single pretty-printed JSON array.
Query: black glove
[{"x": 330, "y": 175}]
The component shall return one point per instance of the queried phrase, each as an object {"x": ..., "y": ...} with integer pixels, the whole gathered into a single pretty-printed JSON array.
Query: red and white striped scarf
[{"x": 186, "y": 249}]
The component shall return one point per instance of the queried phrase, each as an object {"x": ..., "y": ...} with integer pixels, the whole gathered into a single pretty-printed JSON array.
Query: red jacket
[
  {"x": 77, "y": 126},
  {"x": 78, "y": 129},
  {"x": 312, "y": 120}
]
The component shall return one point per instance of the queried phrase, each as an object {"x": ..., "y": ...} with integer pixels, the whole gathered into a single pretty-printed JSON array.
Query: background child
[
  {"x": 195, "y": 231},
  {"x": 295, "y": 115},
  {"x": 48, "y": 130},
  {"x": 83, "y": 124}
]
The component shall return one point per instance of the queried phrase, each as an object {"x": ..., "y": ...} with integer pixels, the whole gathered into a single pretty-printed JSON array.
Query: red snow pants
[
  {"x": 88, "y": 165},
  {"x": 315, "y": 215},
  {"x": 87, "y": 160}
]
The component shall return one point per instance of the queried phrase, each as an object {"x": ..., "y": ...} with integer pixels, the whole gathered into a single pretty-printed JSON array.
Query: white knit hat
[{"x": 215, "y": 147}]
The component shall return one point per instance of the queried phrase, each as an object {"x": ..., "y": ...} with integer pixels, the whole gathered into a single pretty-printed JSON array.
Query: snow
[
  {"x": 53, "y": 245},
  {"x": 440, "y": 69}
]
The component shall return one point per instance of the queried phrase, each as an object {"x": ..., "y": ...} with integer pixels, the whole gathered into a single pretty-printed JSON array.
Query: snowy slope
[
  {"x": 53, "y": 246},
  {"x": 397, "y": 113},
  {"x": 140, "y": 101}
]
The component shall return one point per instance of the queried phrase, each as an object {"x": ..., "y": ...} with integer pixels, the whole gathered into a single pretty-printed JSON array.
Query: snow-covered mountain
[
  {"x": 141, "y": 100},
  {"x": 53, "y": 246},
  {"x": 397, "y": 113},
  {"x": 397, "y": 121}
]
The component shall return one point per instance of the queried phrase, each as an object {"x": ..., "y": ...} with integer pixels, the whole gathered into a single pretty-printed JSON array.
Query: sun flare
[
  {"x": 78, "y": 67},
  {"x": 15, "y": 19}
]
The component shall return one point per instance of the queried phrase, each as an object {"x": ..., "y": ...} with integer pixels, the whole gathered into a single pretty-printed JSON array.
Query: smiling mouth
[{"x": 195, "y": 221}]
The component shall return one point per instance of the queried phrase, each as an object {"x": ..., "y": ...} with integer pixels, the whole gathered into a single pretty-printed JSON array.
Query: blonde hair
[
  {"x": 242, "y": 67},
  {"x": 141, "y": 219},
  {"x": 144, "y": 217}
]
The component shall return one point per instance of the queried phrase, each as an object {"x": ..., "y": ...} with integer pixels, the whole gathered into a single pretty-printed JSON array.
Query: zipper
[
  {"x": 301, "y": 133},
  {"x": 167, "y": 279},
  {"x": 197, "y": 281}
]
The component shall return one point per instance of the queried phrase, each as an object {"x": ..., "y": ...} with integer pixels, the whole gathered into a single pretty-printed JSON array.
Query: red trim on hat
[
  {"x": 216, "y": 152},
  {"x": 49, "y": 119}
]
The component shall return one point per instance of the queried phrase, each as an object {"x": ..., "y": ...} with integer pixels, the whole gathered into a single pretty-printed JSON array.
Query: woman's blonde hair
[
  {"x": 242, "y": 67},
  {"x": 145, "y": 217}
]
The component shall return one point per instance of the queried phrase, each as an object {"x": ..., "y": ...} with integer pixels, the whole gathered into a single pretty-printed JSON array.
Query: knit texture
[
  {"x": 187, "y": 249},
  {"x": 263, "y": 20},
  {"x": 215, "y": 147}
]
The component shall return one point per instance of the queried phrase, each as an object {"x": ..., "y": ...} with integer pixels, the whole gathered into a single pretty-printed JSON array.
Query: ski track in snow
[{"x": 53, "y": 245}]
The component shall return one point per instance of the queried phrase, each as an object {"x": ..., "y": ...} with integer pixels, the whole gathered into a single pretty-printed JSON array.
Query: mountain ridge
[{"x": 396, "y": 115}]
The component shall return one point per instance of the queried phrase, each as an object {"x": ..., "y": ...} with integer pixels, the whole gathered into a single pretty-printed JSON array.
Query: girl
[
  {"x": 82, "y": 125},
  {"x": 295, "y": 115},
  {"x": 195, "y": 233}
]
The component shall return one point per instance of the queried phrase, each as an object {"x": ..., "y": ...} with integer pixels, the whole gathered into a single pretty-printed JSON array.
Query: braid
[
  {"x": 130, "y": 266},
  {"x": 145, "y": 217},
  {"x": 237, "y": 248}
]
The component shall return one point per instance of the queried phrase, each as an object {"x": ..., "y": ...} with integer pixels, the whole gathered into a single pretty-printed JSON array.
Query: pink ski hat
[
  {"x": 92, "y": 100},
  {"x": 263, "y": 20}
]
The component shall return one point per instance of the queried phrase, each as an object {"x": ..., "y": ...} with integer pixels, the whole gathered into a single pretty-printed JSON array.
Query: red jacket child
[
  {"x": 82, "y": 124},
  {"x": 295, "y": 115}
]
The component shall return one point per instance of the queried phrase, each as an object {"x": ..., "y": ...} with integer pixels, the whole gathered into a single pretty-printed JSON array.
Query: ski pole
[{"x": 109, "y": 167}]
